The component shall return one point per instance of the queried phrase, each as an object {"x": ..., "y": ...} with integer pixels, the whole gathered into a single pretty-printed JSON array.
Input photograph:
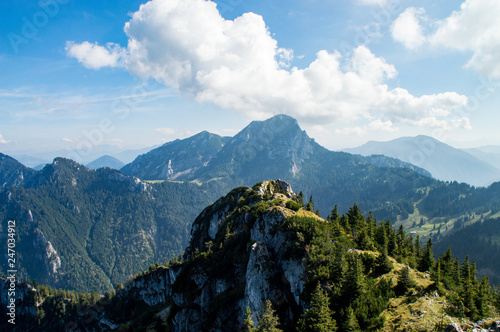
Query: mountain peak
[
  {"x": 277, "y": 123},
  {"x": 12, "y": 172},
  {"x": 177, "y": 158}
]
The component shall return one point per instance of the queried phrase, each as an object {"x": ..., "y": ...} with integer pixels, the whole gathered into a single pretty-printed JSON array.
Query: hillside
[
  {"x": 13, "y": 173},
  {"x": 93, "y": 229},
  {"x": 488, "y": 154},
  {"x": 441, "y": 160},
  {"x": 259, "y": 256}
]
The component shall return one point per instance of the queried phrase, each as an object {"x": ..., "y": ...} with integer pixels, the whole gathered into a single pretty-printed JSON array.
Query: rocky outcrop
[
  {"x": 47, "y": 254},
  {"x": 453, "y": 328},
  {"x": 236, "y": 259}
]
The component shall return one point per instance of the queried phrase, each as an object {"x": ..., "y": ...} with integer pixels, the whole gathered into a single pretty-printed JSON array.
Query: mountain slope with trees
[
  {"x": 116, "y": 225},
  {"x": 260, "y": 260},
  {"x": 88, "y": 230}
]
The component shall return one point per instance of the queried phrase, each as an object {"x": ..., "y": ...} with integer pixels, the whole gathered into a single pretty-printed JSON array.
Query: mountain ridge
[{"x": 441, "y": 160}]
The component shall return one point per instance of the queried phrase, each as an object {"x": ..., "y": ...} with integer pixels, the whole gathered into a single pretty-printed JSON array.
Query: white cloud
[
  {"x": 166, "y": 131},
  {"x": 407, "y": 30},
  {"x": 462, "y": 123},
  {"x": 3, "y": 140},
  {"x": 380, "y": 125},
  {"x": 67, "y": 140},
  {"x": 93, "y": 56},
  {"x": 237, "y": 65},
  {"x": 474, "y": 28}
]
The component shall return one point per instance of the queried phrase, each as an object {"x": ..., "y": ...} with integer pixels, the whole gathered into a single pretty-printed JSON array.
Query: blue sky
[{"x": 74, "y": 76}]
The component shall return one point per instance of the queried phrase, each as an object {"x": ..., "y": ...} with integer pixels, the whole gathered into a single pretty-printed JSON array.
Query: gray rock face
[
  {"x": 47, "y": 254},
  {"x": 453, "y": 328},
  {"x": 212, "y": 288},
  {"x": 192, "y": 294}
]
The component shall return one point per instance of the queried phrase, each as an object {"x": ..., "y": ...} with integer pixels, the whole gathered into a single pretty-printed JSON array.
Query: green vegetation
[
  {"x": 104, "y": 227},
  {"x": 357, "y": 274}
]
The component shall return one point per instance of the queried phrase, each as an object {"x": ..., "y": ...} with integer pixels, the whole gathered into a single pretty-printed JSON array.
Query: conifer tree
[
  {"x": 300, "y": 198},
  {"x": 318, "y": 318},
  {"x": 268, "y": 321},
  {"x": 383, "y": 263},
  {"x": 334, "y": 215},
  {"x": 354, "y": 282},
  {"x": 248, "y": 322},
  {"x": 427, "y": 260},
  {"x": 355, "y": 218},
  {"x": 339, "y": 265},
  {"x": 310, "y": 204},
  {"x": 405, "y": 281},
  {"x": 351, "y": 322}
]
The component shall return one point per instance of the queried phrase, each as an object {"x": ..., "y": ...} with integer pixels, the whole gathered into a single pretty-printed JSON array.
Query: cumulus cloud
[
  {"x": 474, "y": 28},
  {"x": 380, "y": 125},
  {"x": 3, "y": 140},
  {"x": 237, "y": 65},
  {"x": 407, "y": 29},
  {"x": 94, "y": 56}
]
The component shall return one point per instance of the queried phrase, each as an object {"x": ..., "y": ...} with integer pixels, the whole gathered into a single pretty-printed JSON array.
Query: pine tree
[
  {"x": 383, "y": 263},
  {"x": 354, "y": 281},
  {"x": 248, "y": 322},
  {"x": 405, "y": 281},
  {"x": 351, "y": 322},
  {"x": 334, "y": 215},
  {"x": 318, "y": 318},
  {"x": 339, "y": 265},
  {"x": 427, "y": 260},
  {"x": 268, "y": 321}
]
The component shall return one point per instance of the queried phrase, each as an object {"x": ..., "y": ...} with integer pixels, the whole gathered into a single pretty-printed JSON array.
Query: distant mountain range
[
  {"x": 38, "y": 159},
  {"x": 443, "y": 161},
  {"x": 106, "y": 161},
  {"x": 97, "y": 228},
  {"x": 488, "y": 154}
]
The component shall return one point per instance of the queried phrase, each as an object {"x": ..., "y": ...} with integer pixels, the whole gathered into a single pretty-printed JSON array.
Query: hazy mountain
[
  {"x": 441, "y": 160},
  {"x": 175, "y": 159},
  {"x": 106, "y": 161},
  {"x": 489, "y": 155},
  {"x": 30, "y": 161},
  {"x": 35, "y": 158}
]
